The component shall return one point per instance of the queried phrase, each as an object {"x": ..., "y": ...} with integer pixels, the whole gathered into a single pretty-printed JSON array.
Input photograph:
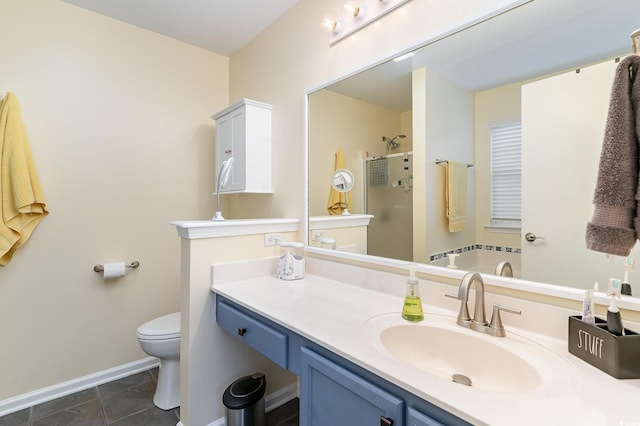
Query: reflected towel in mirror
[
  {"x": 456, "y": 195},
  {"x": 338, "y": 201}
]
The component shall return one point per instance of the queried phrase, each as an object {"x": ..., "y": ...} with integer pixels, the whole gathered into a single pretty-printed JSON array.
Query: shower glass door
[{"x": 389, "y": 198}]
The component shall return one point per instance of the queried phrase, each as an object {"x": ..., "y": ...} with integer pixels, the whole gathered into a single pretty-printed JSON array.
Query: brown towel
[{"x": 615, "y": 226}]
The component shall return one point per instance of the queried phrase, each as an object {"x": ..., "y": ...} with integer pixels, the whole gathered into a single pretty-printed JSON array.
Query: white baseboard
[
  {"x": 281, "y": 396},
  {"x": 271, "y": 401},
  {"x": 50, "y": 393}
]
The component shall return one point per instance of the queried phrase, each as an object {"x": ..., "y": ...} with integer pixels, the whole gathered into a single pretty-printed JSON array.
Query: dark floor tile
[
  {"x": 127, "y": 396},
  {"x": 154, "y": 373},
  {"x": 129, "y": 382},
  {"x": 284, "y": 415},
  {"x": 19, "y": 418},
  {"x": 293, "y": 421},
  {"x": 125, "y": 402},
  {"x": 88, "y": 414},
  {"x": 151, "y": 416},
  {"x": 64, "y": 403}
]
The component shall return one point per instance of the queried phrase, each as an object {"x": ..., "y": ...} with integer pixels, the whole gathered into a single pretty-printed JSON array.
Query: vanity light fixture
[{"x": 360, "y": 13}]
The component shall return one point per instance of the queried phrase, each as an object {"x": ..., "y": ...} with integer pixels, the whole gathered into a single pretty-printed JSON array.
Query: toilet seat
[{"x": 162, "y": 328}]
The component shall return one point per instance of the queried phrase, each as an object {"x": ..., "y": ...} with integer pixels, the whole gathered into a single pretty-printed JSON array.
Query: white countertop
[{"x": 333, "y": 314}]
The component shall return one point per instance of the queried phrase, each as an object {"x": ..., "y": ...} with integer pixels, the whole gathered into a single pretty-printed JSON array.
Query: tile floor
[{"x": 124, "y": 402}]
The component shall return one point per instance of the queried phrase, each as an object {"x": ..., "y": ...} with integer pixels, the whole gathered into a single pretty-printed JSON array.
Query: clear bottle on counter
[{"x": 291, "y": 265}]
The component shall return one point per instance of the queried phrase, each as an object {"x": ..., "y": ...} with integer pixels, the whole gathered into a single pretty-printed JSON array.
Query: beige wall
[
  {"x": 357, "y": 127},
  {"x": 119, "y": 124},
  {"x": 449, "y": 136},
  {"x": 118, "y": 119},
  {"x": 497, "y": 106}
]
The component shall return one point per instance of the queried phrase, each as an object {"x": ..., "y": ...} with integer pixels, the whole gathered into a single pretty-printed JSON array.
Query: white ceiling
[{"x": 220, "y": 26}]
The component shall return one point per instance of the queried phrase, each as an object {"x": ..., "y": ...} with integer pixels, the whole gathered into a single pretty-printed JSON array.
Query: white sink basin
[{"x": 439, "y": 347}]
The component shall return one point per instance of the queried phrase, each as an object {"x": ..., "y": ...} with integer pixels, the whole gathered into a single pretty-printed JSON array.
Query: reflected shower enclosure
[{"x": 388, "y": 196}]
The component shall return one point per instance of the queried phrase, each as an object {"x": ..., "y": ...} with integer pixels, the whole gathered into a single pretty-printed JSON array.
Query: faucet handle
[{"x": 496, "y": 327}]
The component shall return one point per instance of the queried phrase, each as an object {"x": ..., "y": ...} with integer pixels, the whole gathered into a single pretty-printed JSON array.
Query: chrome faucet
[
  {"x": 479, "y": 320},
  {"x": 504, "y": 269}
]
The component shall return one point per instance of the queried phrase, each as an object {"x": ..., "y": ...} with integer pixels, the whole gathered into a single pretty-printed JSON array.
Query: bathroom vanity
[
  {"x": 331, "y": 334},
  {"x": 333, "y": 390}
]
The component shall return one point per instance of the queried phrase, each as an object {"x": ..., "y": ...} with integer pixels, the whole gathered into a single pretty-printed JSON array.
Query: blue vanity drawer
[{"x": 266, "y": 340}]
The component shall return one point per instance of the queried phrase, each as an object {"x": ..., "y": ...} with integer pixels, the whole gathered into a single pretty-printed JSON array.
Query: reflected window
[{"x": 506, "y": 175}]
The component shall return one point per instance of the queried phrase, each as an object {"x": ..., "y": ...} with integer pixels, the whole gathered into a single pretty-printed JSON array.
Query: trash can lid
[{"x": 245, "y": 391}]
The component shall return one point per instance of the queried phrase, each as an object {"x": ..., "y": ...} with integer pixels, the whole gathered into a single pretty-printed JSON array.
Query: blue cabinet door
[
  {"x": 417, "y": 418},
  {"x": 332, "y": 395}
]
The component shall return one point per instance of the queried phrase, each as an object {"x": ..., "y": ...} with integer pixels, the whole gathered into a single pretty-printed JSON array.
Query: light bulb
[
  {"x": 334, "y": 26},
  {"x": 357, "y": 11}
]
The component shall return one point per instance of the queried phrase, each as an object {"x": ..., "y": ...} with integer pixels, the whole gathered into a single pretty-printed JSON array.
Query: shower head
[{"x": 391, "y": 142}]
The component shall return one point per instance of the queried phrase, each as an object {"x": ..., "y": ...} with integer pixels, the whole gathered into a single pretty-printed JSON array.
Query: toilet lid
[{"x": 166, "y": 327}]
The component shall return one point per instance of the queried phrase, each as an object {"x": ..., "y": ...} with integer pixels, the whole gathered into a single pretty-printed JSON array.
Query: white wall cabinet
[{"x": 243, "y": 131}]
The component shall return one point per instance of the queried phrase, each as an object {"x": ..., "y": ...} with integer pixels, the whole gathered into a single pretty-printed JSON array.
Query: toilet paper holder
[{"x": 132, "y": 265}]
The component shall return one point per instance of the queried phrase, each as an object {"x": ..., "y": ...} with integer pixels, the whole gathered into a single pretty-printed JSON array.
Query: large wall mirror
[{"x": 542, "y": 70}]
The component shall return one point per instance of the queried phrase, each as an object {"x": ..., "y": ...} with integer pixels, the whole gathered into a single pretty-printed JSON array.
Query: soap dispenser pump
[{"x": 412, "y": 309}]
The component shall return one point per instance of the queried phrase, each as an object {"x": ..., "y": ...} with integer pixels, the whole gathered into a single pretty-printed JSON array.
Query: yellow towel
[
  {"x": 338, "y": 201},
  {"x": 21, "y": 199},
  {"x": 456, "y": 195}
]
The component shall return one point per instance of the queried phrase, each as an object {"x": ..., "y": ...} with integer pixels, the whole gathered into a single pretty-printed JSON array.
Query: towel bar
[
  {"x": 133, "y": 265},
  {"x": 446, "y": 161}
]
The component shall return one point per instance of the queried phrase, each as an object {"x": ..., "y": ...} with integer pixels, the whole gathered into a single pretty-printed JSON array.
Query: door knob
[{"x": 531, "y": 237}]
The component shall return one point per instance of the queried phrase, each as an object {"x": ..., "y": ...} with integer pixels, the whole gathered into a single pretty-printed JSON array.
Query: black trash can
[{"x": 244, "y": 401}]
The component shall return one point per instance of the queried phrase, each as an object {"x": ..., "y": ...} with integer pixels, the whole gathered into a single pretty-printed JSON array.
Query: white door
[{"x": 561, "y": 143}]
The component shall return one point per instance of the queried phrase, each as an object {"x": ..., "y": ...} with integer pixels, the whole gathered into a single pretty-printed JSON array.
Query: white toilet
[{"x": 161, "y": 338}]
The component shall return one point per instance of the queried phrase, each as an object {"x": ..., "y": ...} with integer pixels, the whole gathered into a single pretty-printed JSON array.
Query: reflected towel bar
[
  {"x": 132, "y": 265},
  {"x": 446, "y": 161}
]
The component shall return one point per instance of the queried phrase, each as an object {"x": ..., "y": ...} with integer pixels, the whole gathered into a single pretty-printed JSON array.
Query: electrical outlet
[
  {"x": 272, "y": 239},
  {"x": 317, "y": 235}
]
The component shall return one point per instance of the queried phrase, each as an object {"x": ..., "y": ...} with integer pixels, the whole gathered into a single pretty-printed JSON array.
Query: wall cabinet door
[
  {"x": 332, "y": 395},
  {"x": 243, "y": 131}
]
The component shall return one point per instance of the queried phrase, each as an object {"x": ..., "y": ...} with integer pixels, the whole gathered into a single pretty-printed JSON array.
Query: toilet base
[{"x": 167, "y": 394}]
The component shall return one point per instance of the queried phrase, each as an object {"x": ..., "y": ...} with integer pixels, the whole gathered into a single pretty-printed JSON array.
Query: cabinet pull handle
[
  {"x": 242, "y": 331},
  {"x": 227, "y": 151},
  {"x": 385, "y": 421}
]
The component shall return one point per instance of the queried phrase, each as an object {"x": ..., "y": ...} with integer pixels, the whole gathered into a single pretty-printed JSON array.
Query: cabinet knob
[
  {"x": 385, "y": 421},
  {"x": 242, "y": 331}
]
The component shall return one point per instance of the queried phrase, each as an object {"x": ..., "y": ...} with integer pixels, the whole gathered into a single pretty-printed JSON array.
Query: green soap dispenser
[{"x": 412, "y": 309}]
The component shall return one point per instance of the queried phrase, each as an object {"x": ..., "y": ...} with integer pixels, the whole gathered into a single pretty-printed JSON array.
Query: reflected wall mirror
[{"x": 546, "y": 66}]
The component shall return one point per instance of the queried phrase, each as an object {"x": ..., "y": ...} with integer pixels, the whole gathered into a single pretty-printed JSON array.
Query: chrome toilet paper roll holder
[{"x": 132, "y": 265}]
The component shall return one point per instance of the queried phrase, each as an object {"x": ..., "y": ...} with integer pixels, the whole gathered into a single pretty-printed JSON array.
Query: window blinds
[{"x": 506, "y": 181}]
